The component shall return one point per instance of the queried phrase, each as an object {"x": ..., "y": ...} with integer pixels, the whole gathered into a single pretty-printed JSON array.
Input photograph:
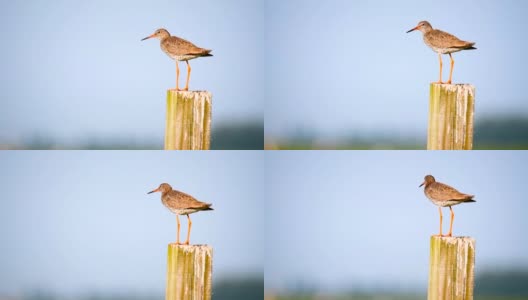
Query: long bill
[
  {"x": 148, "y": 37},
  {"x": 153, "y": 191},
  {"x": 412, "y": 29}
]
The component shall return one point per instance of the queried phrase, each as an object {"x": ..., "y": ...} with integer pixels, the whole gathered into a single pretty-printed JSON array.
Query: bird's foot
[
  {"x": 186, "y": 243},
  {"x": 439, "y": 82},
  {"x": 448, "y": 82}
]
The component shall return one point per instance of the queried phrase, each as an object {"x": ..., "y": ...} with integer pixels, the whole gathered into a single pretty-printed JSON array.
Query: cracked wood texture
[
  {"x": 451, "y": 109},
  {"x": 189, "y": 272},
  {"x": 451, "y": 268},
  {"x": 188, "y": 120}
]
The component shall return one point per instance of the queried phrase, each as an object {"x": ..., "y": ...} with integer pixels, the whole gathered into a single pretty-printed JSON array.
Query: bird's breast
[
  {"x": 169, "y": 54},
  {"x": 436, "y": 47}
]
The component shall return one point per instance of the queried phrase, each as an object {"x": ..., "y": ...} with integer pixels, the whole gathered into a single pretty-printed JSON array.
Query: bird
[
  {"x": 179, "y": 50},
  {"x": 442, "y": 43},
  {"x": 181, "y": 204},
  {"x": 443, "y": 195}
]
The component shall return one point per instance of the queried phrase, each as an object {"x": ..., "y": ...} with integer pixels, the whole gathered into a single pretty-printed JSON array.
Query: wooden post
[
  {"x": 451, "y": 108},
  {"x": 189, "y": 272},
  {"x": 188, "y": 121},
  {"x": 451, "y": 268}
]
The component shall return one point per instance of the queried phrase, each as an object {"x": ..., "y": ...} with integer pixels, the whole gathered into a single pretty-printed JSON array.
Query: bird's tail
[
  {"x": 470, "y": 46},
  {"x": 207, "y": 52},
  {"x": 208, "y": 207},
  {"x": 470, "y": 199}
]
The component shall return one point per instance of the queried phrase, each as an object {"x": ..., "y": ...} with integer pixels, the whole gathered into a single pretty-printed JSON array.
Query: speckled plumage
[
  {"x": 445, "y": 43},
  {"x": 179, "y": 50},
  {"x": 180, "y": 203},
  {"x": 182, "y": 50},
  {"x": 442, "y": 43},
  {"x": 444, "y": 195}
]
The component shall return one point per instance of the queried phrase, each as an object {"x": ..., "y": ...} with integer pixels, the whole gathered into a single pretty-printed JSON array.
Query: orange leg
[
  {"x": 450, "y": 233},
  {"x": 451, "y": 70},
  {"x": 188, "y": 230},
  {"x": 440, "y": 211},
  {"x": 440, "y": 59},
  {"x": 177, "y": 76},
  {"x": 188, "y": 76},
  {"x": 178, "y": 232}
]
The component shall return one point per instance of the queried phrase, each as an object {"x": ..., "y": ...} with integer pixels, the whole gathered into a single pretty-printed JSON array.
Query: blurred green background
[
  {"x": 227, "y": 289},
  {"x": 225, "y": 136},
  {"x": 494, "y": 132},
  {"x": 490, "y": 285}
]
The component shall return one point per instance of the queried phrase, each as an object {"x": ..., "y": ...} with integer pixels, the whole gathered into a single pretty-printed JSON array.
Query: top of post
[
  {"x": 453, "y": 239},
  {"x": 189, "y": 93},
  {"x": 191, "y": 248}
]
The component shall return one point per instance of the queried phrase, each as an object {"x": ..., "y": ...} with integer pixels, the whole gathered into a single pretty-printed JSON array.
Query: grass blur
[
  {"x": 240, "y": 288},
  {"x": 497, "y": 133},
  {"x": 489, "y": 285},
  {"x": 380, "y": 297},
  {"x": 225, "y": 136}
]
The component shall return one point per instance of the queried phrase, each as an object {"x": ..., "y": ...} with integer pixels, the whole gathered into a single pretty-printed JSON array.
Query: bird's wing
[
  {"x": 186, "y": 201},
  {"x": 180, "y": 46},
  {"x": 444, "y": 192},
  {"x": 448, "y": 40}
]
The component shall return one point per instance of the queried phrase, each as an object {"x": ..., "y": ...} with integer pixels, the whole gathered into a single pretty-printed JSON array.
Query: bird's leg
[
  {"x": 451, "y": 70},
  {"x": 440, "y": 211},
  {"x": 178, "y": 232},
  {"x": 440, "y": 59},
  {"x": 188, "y": 230},
  {"x": 451, "y": 223},
  {"x": 177, "y": 76},
  {"x": 188, "y": 76}
]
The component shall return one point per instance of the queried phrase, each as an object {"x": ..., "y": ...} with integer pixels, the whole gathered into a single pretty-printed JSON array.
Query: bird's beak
[
  {"x": 148, "y": 37},
  {"x": 412, "y": 29},
  {"x": 421, "y": 184},
  {"x": 156, "y": 190}
]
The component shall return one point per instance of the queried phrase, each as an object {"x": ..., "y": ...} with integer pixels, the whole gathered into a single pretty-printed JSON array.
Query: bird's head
[
  {"x": 423, "y": 26},
  {"x": 428, "y": 180},
  {"x": 163, "y": 188},
  {"x": 159, "y": 34}
]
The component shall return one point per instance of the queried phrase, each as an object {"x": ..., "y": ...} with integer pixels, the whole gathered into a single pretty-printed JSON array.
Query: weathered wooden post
[
  {"x": 451, "y": 268},
  {"x": 188, "y": 121},
  {"x": 451, "y": 108},
  {"x": 189, "y": 272}
]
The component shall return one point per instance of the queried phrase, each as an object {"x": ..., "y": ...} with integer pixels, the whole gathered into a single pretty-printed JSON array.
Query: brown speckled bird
[
  {"x": 180, "y": 204},
  {"x": 442, "y": 43},
  {"x": 179, "y": 50},
  {"x": 443, "y": 195}
]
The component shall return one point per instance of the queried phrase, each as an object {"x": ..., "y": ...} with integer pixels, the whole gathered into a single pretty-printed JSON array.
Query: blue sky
[
  {"x": 331, "y": 219},
  {"x": 82, "y": 221},
  {"x": 77, "y": 69},
  {"x": 357, "y": 219},
  {"x": 72, "y": 70},
  {"x": 340, "y": 67}
]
